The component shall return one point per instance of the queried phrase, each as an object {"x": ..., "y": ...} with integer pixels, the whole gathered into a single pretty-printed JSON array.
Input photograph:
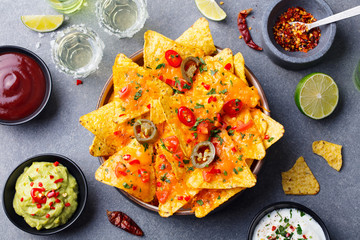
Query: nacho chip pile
[{"x": 216, "y": 105}]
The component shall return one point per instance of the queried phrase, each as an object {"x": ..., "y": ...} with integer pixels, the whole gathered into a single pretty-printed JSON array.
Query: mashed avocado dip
[{"x": 46, "y": 195}]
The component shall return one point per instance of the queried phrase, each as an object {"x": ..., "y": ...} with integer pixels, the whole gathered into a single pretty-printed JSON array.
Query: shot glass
[
  {"x": 66, "y": 6},
  {"x": 77, "y": 51},
  {"x": 122, "y": 18}
]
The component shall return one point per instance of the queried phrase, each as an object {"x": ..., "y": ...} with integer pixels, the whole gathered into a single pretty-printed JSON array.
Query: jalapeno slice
[
  {"x": 203, "y": 154},
  {"x": 145, "y": 131},
  {"x": 188, "y": 68}
]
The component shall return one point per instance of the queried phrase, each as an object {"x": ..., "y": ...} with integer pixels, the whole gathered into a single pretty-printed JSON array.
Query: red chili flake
[
  {"x": 78, "y": 82},
  {"x": 38, "y": 205},
  {"x": 40, "y": 184},
  {"x": 161, "y": 78},
  {"x": 233, "y": 149},
  {"x": 126, "y": 157},
  {"x": 134, "y": 188},
  {"x": 51, "y": 203},
  {"x": 59, "y": 180},
  {"x": 148, "y": 106},
  {"x": 57, "y": 200},
  {"x": 51, "y": 176},
  {"x": 266, "y": 137},
  {"x": 206, "y": 86},
  {"x": 116, "y": 133},
  {"x": 189, "y": 140},
  {"x": 121, "y": 115},
  {"x": 47, "y": 215},
  {"x": 134, "y": 162},
  {"x": 32, "y": 184},
  {"x": 21, "y": 199},
  {"x": 56, "y": 163},
  {"x": 33, "y": 214},
  {"x": 292, "y": 228},
  {"x": 273, "y": 228},
  {"x": 37, "y": 169},
  {"x": 304, "y": 237},
  {"x": 52, "y": 207},
  {"x": 67, "y": 204},
  {"x": 162, "y": 156},
  {"x": 212, "y": 99},
  {"x": 227, "y": 66},
  {"x": 295, "y": 38},
  {"x": 158, "y": 184},
  {"x": 180, "y": 197},
  {"x": 187, "y": 198}
]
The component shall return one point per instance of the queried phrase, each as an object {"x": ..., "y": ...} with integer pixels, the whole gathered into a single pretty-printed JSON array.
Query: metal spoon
[{"x": 334, "y": 18}]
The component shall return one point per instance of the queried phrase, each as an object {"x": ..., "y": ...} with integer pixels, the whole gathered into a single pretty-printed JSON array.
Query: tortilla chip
[
  {"x": 249, "y": 142},
  {"x": 172, "y": 193},
  {"x": 143, "y": 88},
  {"x": 202, "y": 110},
  {"x": 199, "y": 36},
  {"x": 330, "y": 151},
  {"x": 234, "y": 172},
  {"x": 156, "y": 45},
  {"x": 299, "y": 180},
  {"x": 209, "y": 199},
  {"x": 99, "y": 148},
  {"x": 239, "y": 64},
  {"x": 156, "y": 112},
  {"x": 222, "y": 81},
  {"x": 225, "y": 57},
  {"x": 99, "y": 122},
  {"x": 127, "y": 175}
]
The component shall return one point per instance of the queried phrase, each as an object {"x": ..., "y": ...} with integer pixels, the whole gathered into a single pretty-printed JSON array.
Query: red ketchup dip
[{"x": 22, "y": 86}]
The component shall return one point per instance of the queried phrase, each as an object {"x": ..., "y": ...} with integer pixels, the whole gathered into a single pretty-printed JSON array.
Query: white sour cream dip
[{"x": 288, "y": 224}]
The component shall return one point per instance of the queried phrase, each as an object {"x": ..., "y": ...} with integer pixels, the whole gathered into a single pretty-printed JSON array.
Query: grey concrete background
[{"x": 57, "y": 129}]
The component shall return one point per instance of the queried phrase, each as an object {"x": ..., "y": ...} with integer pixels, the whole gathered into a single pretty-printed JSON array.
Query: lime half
[
  {"x": 317, "y": 95},
  {"x": 210, "y": 9},
  {"x": 42, "y": 23}
]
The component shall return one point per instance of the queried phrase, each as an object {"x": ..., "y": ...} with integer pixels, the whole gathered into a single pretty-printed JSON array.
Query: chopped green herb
[
  {"x": 213, "y": 72},
  {"x": 225, "y": 173},
  {"x": 211, "y": 92},
  {"x": 161, "y": 65},
  {"x": 198, "y": 105},
  {"x": 146, "y": 146},
  {"x": 186, "y": 161},
  {"x": 302, "y": 214},
  {"x": 298, "y": 229},
  {"x": 139, "y": 75},
  {"x": 270, "y": 139},
  {"x": 200, "y": 202},
  {"x": 138, "y": 94},
  {"x": 223, "y": 91},
  {"x": 30, "y": 179},
  {"x": 127, "y": 186},
  {"x": 235, "y": 171},
  {"x": 162, "y": 166}
]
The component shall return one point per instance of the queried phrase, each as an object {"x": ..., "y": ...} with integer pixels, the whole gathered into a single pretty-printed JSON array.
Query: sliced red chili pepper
[
  {"x": 145, "y": 177},
  {"x": 170, "y": 82},
  {"x": 182, "y": 85},
  {"x": 47, "y": 215},
  {"x": 32, "y": 184},
  {"x": 180, "y": 197},
  {"x": 37, "y": 196},
  {"x": 134, "y": 162},
  {"x": 227, "y": 66},
  {"x": 40, "y": 184},
  {"x": 173, "y": 58},
  {"x": 56, "y": 163},
  {"x": 171, "y": 143},
  {"x": 126, "y": 157},
  {"x": 123, "y": 221},
  {"x": 162, "y": 196},
  {"x": 57, "y": 200},
  {"x": 212, "y": 99},
  {"x": 148, "y": 106},
  {"x": 134, "y": 188},
  {"x": 158, "y": 184},
  {"x": 244, "y": 126},
  {"x": 232, "y": 107},
  {"x": 243, "y": 28},
  {"x": 161, "y": 77},
  {"x": 266, "y": 137},
  {"x": 120, "y": 170},
  {"x": 187, "y": 198},
  {"x": 186, "y": 116},
  {"x": 233, "y": 149},
  {"x": 67, "y": 204},
  {"x": 59, "y": 180},
  {"x": 124, "y": 92},
  {"x": 51, "y": 176},
  {"x": 206, "y": 86}
]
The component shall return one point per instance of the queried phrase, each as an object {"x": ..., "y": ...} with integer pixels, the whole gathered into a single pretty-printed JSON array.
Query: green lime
[
  {"x": 42, "y": 23},
  {"x": 316, "y": 95},
  {"x": 210, "y": 9}
]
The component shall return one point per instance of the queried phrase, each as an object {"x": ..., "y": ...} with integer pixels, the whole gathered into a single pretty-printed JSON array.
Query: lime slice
[
  {"x": 210, "y": 9},
  {"x": 42, "y": 23},
  {"x": 317, "y": 95}
]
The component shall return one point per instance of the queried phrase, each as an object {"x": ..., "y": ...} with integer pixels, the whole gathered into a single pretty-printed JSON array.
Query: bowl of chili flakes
[{"x": 309, "y": 49}]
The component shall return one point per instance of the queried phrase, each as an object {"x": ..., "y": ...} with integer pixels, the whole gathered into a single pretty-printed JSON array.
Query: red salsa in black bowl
[{"x": 25, "y": 85}]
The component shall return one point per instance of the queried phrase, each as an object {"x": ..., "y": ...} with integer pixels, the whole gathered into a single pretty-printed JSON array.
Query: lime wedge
[
  {"x": 316, "y": 95},
  {"x": 42, "y": 23},
  {"x": 210, "y": 9}
]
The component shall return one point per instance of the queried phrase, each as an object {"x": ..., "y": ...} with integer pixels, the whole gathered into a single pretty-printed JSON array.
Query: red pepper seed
[{"x": 56, "y": 163}]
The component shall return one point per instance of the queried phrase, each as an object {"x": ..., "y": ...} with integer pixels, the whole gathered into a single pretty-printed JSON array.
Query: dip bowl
[
  {"x": 9, "y": 192},
  {"x": 296, "y": 60},
  {"x": 281, "y": 205},
  {"x": 48, "y": 83}
]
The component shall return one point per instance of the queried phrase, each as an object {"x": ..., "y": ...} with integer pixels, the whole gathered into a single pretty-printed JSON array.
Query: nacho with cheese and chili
[{"x": 183, "y": 130}]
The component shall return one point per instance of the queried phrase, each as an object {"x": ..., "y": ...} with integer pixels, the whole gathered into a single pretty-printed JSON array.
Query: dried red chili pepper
[
  {"x": 243, "y": 28},
  {"x": 123, "y": 221}
]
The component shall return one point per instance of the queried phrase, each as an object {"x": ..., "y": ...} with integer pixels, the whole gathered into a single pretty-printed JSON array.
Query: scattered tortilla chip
[
  {"x": 232, "y": 169},
  {"x": 239, "y": 64},
  {"x": 209, "y": 199},
  {"x": 156, "y": 112},
  {"x": 225, "y": 57},
  {"x": 299, "y": 180},
  {"x": 133, "y": 174},
  {"x": 172, "y": 194},
  {"x": 249, "y": 141},
  {"x": 330, "y": 151},
  {"x": 99, "y": 122},
  {"x": 199, "y": 36},
  {"x": 99, "y": 148},
  {"x": 156, "y": 45},
  {"x": 141, "y": 86}
]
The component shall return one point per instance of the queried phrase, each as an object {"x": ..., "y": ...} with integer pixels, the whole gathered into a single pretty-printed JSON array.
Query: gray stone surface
[{"x": 57, "y": 129}]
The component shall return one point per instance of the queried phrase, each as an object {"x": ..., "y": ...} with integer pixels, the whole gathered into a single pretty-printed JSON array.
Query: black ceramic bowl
[
  {"x": 281, "y": 205},
  {"x": 9, "y": 192},
  {"x": 45, "y": 70},
  {"x": 297, "y": 60}
]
